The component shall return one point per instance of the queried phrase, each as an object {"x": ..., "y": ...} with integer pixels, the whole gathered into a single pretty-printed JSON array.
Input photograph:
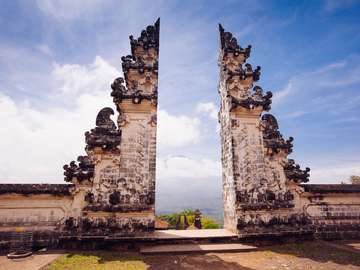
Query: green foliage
[{"x": 207, "y": 222}]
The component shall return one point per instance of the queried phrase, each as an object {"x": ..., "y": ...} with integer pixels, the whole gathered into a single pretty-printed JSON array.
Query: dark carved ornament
[
  {"x": 256, "y": 99},
  {"x": 264, "y": 200},
  {"x": 294, "y": 173},
  {"x": 105, "y": 135},
  {"x": 273, "y": 139},
  {"x": 114, "y": 198},
  {"x": 120, "y": 92},
  {"x": 229, "y": 44},
  {"x": 89, "y": 197},
  {"x": 149, "y": 38},
  {"x": 121, "y": 203},
  {"x": 256, "y": 224},
  {"x": 105, "y": 226},
  {"x": 129, "y": 62},
  {"x": 83, "y": 171},
  {"x": 244, "y": 73},
  {"x": 117, "y": 208}
]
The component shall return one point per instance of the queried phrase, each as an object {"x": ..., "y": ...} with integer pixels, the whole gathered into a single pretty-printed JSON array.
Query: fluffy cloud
[
  {"x": 67, "y": 9},
  {"x": 208, "y": 107},
  {"x": 77, "y": 79},
  {"x": 335, "y": 173},
  {"x": 175, "y": 167},
  {"x": 177, "y": 130},
  {"x": 36, "y": 143}
]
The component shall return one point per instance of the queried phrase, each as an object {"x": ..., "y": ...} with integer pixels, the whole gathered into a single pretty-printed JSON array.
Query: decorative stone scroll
[
  {"x": 255, "y": 100},
  {"x": 246, "y": 73},
  {"x": 105, "y": 135},
  {"x": 294, "y": 173},
  {"x": 81, "y": 172},
  {"x": 229, "y": 44},
  {"x": 273, "y": 139},
  {"x": 149, "y": 38}
]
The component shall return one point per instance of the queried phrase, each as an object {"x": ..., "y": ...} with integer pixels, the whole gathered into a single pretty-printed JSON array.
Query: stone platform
[
  {"x": 191, "y": 248},
  {"x": 193, "y": 234}
]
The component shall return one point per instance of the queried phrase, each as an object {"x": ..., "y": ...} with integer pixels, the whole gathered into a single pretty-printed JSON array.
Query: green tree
[{"x": 207, "y": 222}]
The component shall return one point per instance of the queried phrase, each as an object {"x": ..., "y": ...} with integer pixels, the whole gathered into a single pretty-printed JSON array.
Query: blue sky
[{"x": 58, "y": 59}]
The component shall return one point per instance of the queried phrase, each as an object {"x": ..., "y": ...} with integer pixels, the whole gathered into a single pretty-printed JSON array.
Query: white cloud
[
  {"x": 334, "y": 173},
  {"x": 180, "y": 167},
  {"x": 208, "y": 107},
  {"x": 36, "y": 143},
  {"x": 67, "y": 9},
  {"x": 177, "y": 131},
  {"x": 77, "y": 79}
]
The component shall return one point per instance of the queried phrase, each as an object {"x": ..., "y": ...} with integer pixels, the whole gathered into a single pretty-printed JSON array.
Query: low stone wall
[
  {"x": 334, "y": 210},
  {"x": 40, "y": 208},
  {"x": 325, "y": 211}
]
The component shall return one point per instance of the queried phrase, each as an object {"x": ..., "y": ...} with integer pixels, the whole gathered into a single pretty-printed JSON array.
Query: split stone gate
[{"x": 111, "y": 194}]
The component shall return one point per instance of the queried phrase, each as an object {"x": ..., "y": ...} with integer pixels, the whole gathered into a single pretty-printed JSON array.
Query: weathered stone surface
[
  {"x": 254, "y": 152},
  {"x": 121, "y": 158}
]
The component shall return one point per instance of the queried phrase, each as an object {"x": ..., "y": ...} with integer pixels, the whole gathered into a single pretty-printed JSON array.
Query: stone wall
[
  {"x": 334, "y": 210},
  {"x": 261, "y": 185},
  {"x": 40, "y": 208}
]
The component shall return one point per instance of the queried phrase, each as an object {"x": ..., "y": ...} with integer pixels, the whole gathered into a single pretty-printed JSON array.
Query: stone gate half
[
  {"x": 261, "y": 187},
  {"x": 116, "y": 179}
]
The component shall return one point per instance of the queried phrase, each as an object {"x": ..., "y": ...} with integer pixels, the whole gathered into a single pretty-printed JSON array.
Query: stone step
[{"x": 192, "y": 248}]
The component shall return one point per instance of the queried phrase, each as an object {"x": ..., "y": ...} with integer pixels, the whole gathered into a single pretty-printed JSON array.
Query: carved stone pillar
[
  {"x": 116, "y": 180},
  {"x": 256, "y": 184}
]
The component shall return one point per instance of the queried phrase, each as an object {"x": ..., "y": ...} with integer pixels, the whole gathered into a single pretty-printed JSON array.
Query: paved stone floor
[{"x": 34, "y": 262}]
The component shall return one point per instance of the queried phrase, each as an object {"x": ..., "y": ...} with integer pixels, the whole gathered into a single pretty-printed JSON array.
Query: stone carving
[
  {"x": 197, "y": 219},
  {"x": 140, "y": 69},
  {"x": 229, "y": 44},
  {"x": 256, "y": 223},
  {"x": 273, "y": 139},
  {"x": 120, "y": 92},
  {"x": 253, "y": 150},
  {"x": 149, "y": 38},
  {"x": 244, "y": 74},
  {"x": 129, "y": 62},
  {"x": 81, "y": 172},
  {"x": 105, "y": 135},
  {"x": 294, "y": 173},
  {"x": 255, "y": 100},
  {"x": 103, "y": 226}
]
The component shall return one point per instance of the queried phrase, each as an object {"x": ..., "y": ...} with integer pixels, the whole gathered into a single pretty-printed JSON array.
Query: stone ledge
[
  {"x": 331, "y": 188},
  {"x": 33, "y": 189}
]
